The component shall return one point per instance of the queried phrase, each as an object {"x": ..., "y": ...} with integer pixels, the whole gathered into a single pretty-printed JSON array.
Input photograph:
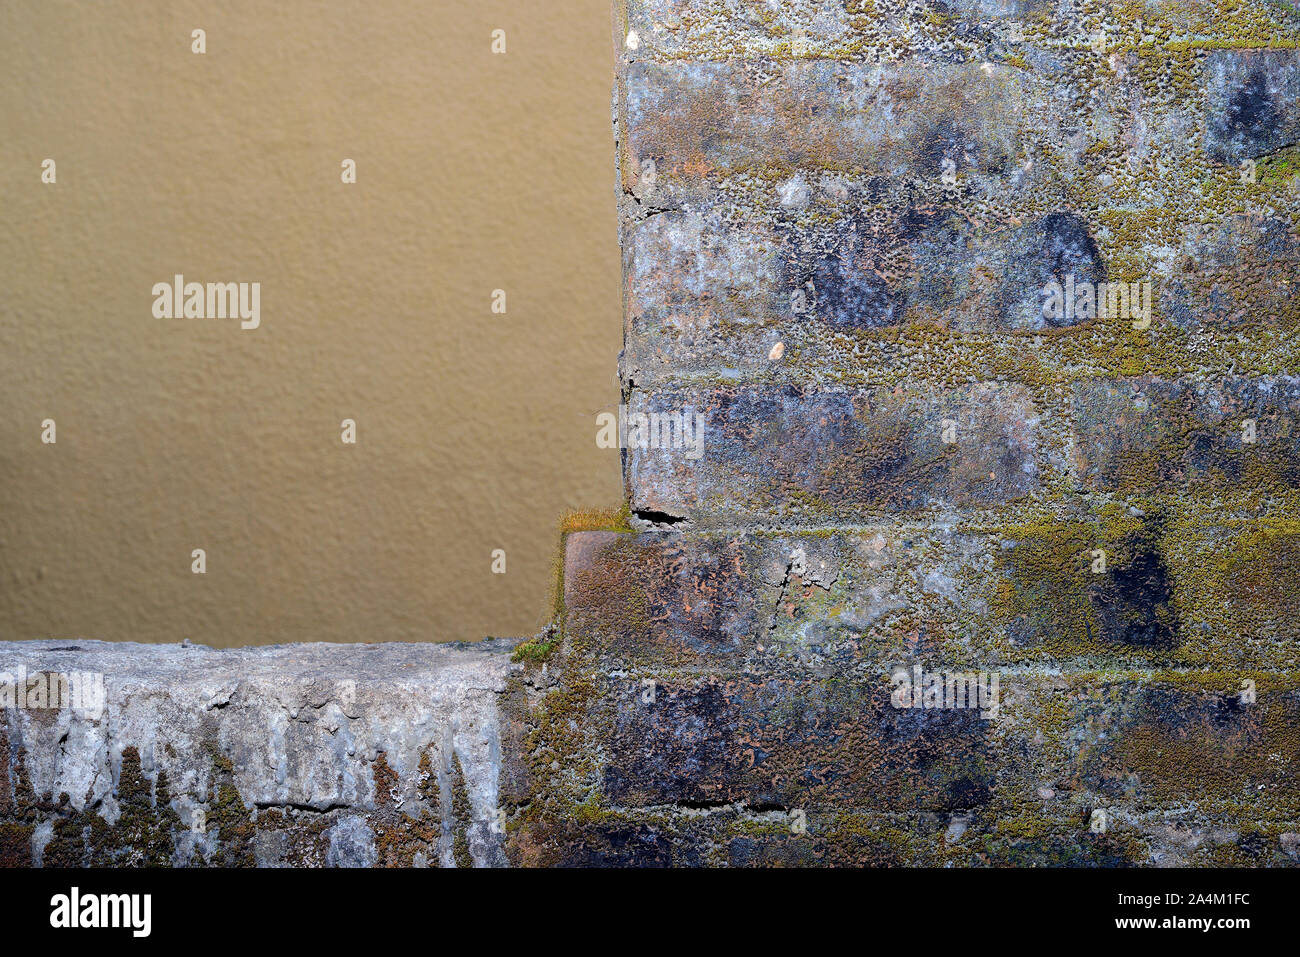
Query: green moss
[
  {"x": 16, "y": 844},
  {"x": 1278, "y": 169},
  {"x": 539, "y": 648},
  {"x": 399, "y": 836},
  {"x": 1215, "y": 767},
  {"x": 597, "y": 520},
  {"x": 227, "y": 815},
  {"x": 592, "y": 812},
  {"x": 462, "y": 816},
  {"x": 1237, "y": 589},
  {"x": 143, "y": 834},
  {"x": 758, "y": 828}
]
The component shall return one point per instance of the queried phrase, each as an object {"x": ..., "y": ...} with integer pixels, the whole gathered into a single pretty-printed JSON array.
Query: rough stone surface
[{"x": 346, "y": 755}]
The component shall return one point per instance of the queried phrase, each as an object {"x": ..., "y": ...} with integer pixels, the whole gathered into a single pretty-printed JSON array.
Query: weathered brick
[
  {"x": 662, "y": 598},
  {"x": 958, "y": 29},
  {"x": 774, "y": 602},
  {"x": 791, "y": 742},
  {"x": 695, "y": 120},
  {"x": 1150, "y": 436},
  {"x": 822, "y": 454},
  {"x": 1252, "y": 103},
  {"x": 1239, "y": 272},
  {"x": 1236, "y": 588},
  {"x": 1168, "y": 590},
  {"x": 690, "y": 273},
  {"x": 1054, "y": 832},
  {"x": 1167, "y": 742}
]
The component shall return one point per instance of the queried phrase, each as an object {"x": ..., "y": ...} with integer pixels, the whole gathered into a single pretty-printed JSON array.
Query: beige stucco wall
[{"x": 475, "y": 172}]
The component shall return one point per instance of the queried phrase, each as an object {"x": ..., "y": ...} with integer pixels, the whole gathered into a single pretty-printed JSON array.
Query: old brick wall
[{"x": 838, "y": 220}]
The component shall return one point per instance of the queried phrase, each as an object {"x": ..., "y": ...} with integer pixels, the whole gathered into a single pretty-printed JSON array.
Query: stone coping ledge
[{"x": 287, "y": 754}]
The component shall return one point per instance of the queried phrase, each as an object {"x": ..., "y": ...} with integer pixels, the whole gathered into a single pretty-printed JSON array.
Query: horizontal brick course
[
  {"x": 831, "y": 456},
  {"x": 823, "y": 453},
  {"x": 1171, "y": 592},
  {"x": 959, "y": 30}
]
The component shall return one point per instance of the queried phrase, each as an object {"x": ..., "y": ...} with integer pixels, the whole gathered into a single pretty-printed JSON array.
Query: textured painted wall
[{"x": 475, "y": 172}]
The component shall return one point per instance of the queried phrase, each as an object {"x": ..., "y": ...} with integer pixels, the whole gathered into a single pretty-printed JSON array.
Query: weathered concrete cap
[{"x": 319, "y": 737}]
